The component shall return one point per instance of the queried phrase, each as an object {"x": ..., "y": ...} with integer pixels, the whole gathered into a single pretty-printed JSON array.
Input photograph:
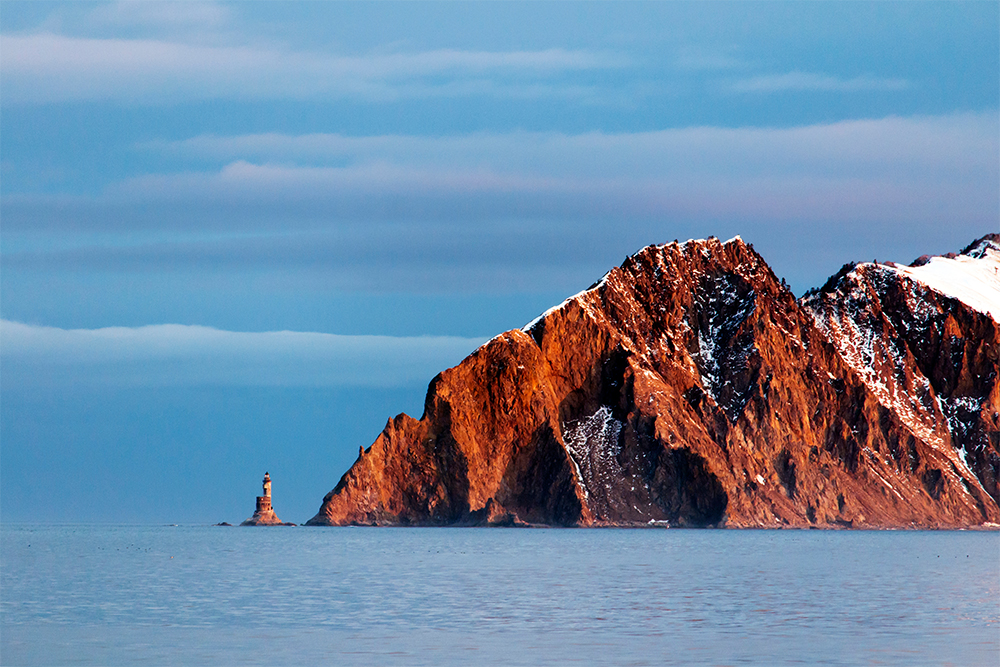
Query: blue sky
[{"x": 241, "y": 236}]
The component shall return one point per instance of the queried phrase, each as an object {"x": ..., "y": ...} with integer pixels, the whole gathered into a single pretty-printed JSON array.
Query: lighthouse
[
  {"x": 264, "y": 501},
  {"x": 264, "y": 514}
]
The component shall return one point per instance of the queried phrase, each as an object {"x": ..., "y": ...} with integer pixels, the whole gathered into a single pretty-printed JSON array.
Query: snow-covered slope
[{"x": 972, "y": 277}]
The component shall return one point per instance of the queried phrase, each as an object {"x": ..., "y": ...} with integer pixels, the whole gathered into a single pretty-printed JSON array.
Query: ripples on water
[{"x": 105, "y": 595}]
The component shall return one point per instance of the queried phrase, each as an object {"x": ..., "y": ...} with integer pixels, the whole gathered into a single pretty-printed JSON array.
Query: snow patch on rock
[
  {"x": 720, "y": 355},
  {"x": 594, "y": 447},
  {"x": 876, "y": 354},
  {"x": 576, "y": 297},
  {"x": 973, "y": 279}
]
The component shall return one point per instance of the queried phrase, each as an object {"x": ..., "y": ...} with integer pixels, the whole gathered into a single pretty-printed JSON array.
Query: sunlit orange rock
[{"x": 689, "y": 388}]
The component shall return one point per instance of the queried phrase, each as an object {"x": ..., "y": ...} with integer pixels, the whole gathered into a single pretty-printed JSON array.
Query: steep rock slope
[
  {"x": 926, "y": 339},
  {"x": 687, "y": 387}
]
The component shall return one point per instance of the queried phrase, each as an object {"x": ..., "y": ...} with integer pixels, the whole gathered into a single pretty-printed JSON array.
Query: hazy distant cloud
[
  {"x": 174, "y": 354},
  {"x": 424, "y": 258},
  {"x": 808, "y": 81},
  {"x": 911, "y": 169},
  {"x": 903, "y": 146},
  {"x": 49, "y": 67},
  {"x": 520, "y": 209},
  {"x": 186, "y": 21},
  {"x": 698, "y": 59},
  {"x": 162, "y": 17}
]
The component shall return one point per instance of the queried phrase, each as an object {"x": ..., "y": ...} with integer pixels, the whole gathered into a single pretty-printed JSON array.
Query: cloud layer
[
  {"x": 810, "y": 81},
  {"x": 523, "y": 209},
  {"x": 49, "y": 67},
  {"x": 921, "y": 170},
  {"x": 174, "y": 354}
]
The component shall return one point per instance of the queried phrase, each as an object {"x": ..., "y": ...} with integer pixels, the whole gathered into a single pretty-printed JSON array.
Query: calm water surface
[{"x": 189, "y": 595}]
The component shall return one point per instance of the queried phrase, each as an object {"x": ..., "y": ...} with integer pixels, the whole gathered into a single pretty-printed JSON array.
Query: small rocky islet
[{"x": 264, "y": 514}]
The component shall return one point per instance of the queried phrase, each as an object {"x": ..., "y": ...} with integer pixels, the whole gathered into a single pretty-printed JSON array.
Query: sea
[{"x": 216, "y": 596}]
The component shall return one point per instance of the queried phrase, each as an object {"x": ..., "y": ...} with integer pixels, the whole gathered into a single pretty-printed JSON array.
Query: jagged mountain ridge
[
  {"x": 687, "y": 387},
  {"x": 925, "y": 339}
]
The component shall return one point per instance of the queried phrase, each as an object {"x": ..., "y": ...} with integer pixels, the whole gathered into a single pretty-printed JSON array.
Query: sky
[{"x": 240, "y": 237}]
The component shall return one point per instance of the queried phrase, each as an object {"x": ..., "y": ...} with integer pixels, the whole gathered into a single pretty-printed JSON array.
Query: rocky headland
[{"x": 689, "y": 387}]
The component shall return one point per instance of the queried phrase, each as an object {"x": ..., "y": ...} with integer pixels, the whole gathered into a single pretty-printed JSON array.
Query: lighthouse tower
[
  {"x": 264, "y": 515},
  {"x": 264, "y": 501}
]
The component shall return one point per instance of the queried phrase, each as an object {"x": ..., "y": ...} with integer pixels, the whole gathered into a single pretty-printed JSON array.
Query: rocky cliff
[
  {"x": 925, "y": 340},
  {"x": 690, "y": 388}
]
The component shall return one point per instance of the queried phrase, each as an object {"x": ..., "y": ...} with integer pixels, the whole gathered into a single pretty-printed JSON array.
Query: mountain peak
[
  {"x": 689, "y": 387},
  {"x": 982, "y": 245},
  {"x": 972, "y": 277}
]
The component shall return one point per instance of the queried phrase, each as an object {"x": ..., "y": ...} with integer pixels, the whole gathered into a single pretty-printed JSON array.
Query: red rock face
[
  {"x": 930, "y": 359},
  {"x": 689, "y": 388}
]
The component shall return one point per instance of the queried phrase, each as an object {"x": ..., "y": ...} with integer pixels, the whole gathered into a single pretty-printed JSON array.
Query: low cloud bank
[
  {"x": 520, "y": 210},
  {"x": 47, "y": 67},
  {"x": 919, "y": 170},
  {"x": 175, "y": 354},
  {"x": 810, "y": 81}
]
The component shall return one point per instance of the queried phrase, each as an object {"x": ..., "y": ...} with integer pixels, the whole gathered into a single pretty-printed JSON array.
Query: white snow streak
[
  {"x": 527, "y": 327},
  {"x": 867, "y": 351},
  {"x": 973, "y": 280},
  {"x": 593, "y": 445}
]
